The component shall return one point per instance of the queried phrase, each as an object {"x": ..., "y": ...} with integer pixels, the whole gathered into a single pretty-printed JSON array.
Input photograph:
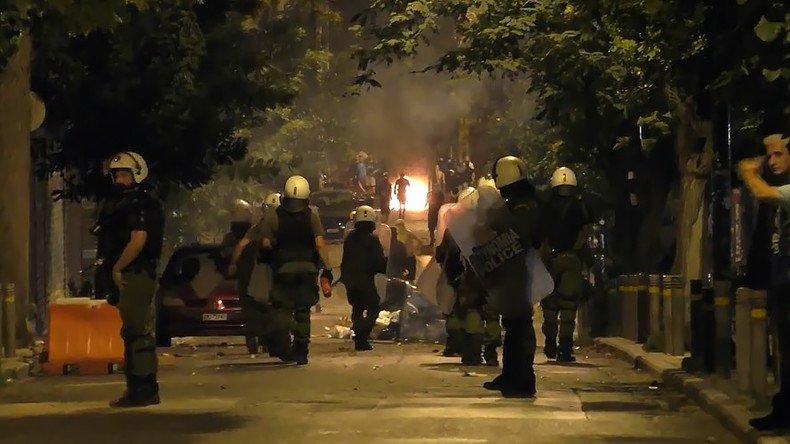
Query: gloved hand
[
  {"x": 327, "y": 274},
  {"x": 113, "y": 298}
]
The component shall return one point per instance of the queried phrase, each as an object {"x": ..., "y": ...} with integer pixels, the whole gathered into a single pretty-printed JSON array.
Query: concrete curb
[{"x": 732, "y": 414}]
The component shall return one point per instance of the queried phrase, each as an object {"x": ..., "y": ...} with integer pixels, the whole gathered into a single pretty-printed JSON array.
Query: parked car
[
  {"x": 195, "y": 298},
  {"x": 334, "y": 208}
]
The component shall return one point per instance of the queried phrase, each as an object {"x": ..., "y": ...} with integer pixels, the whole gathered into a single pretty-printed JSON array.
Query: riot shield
[
  {"x": 485, "y": 233},
  {"x": 441, "y": 225},
  {"x": 432, "y": 284}
]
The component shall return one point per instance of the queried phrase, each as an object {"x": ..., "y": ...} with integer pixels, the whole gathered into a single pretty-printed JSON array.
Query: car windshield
[
  {"x": 200, "y": 268},
  {"x": 337, "y": 200}
]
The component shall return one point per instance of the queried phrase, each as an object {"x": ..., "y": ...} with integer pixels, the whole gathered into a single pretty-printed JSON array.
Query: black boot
[
  {"x": 299, "y": 353},
  {"x": 252, "y": 344},
  {"x": 140, "y": 392},
  {"x": 361, "y": 343},
  {"x": 282, "y": 348},
  {"x": 490, "y": 355},
  {"x": 472, "y": 347},
  {"x": 454, "y": 345},
  {"x": 779, "y": 418},
  {"x": 496, "y": 384},
  {"x": 565, "y": 352},
  {"x": 550, "y": 349}
]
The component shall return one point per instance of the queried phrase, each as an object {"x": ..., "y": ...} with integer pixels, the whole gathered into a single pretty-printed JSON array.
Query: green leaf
[
  {"x": 771, "y": 74},
  {"x": 767, "y": 31},
  {"x": 622, "y": 142}
]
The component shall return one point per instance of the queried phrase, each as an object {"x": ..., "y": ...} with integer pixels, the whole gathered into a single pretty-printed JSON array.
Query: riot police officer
[
  {"x": 136, "y": 224},
  {"x": 295, "y": 234},
  {"x": 566, "y": 236},
  {"x": 363, "y": 258},
  {"x": 241, "y": 222},
  {"x": 518, "y": 350}
]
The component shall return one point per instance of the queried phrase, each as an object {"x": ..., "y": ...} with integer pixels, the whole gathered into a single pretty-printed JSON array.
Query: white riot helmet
[
  {"x": 297, "y": 187},
  {"x": 365, "y": 213},
  {"x": 272, "y": 200},
  {"x": 508, "y": 170},
  {"x": 241, "y": 210},
  {"x": 129, "y": 160},
  {"x": 563, "y": 176}
]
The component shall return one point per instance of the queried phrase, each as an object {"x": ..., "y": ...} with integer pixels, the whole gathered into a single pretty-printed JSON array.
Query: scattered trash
[
  {"x": 655, "y": 385},
  {"x": 220, "y": 354},
  {"x": 339, "y": 332},
  {"x": 436, "y": 350},
  {"x": 376, "y": 367},
  {"x": 253, "y": 356},
  {"x": 472, "y": 374},
  {"x": 194, "y": 373},
  {"x": 222, "y": 387},
  {"x": 355, "y": 389},
  {"x": 223, "y": 344}
]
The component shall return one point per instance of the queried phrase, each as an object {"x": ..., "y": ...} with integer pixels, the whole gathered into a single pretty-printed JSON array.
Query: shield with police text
[{"x": 483, "y": 227}]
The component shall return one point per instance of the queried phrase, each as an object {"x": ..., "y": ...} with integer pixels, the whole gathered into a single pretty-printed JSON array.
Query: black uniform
[{"x": 363, "y": 258}]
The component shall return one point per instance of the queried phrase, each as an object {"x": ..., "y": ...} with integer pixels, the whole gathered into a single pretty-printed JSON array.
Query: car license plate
[
  {"x": 215, "y": 316},
  {"x": 333, "y": 231}
]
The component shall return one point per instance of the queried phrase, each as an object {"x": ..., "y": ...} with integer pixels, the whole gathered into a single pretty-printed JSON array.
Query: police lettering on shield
[{"x": 492, "y": 255}]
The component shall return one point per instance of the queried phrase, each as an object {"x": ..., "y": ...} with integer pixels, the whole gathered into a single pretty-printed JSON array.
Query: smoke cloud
[{"x": 413, "y": 118}]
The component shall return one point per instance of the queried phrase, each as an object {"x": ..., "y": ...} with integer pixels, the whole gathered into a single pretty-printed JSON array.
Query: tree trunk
[
  {"x": 15, "y": 180},
  {"x": 694, "y": 163}
]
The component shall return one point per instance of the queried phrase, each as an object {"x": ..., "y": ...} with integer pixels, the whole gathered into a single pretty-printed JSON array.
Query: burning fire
[{"x": 416, "y": 195}]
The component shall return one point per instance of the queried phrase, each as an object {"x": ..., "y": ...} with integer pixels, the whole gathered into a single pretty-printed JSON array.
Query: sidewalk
[
  {"x": 732, "y": 410},
  {"x": 17, "y": 368}
]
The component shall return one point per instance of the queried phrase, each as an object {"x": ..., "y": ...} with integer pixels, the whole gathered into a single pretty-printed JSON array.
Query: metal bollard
[
  {"x": 759, "y": 344},
  {"x": 743, "y": 340},
  {"x": 709, "y": 329},
  {"x": 723, "y": 319},
  {"x": 630, "y": 310},
  {"x": 696, "y": 362},
  {"x": 643, "y": 302},
  {"x": 655, "y": 341},
  {"x": 674, "y": 315},
  {"x": 9, "y": 321},
  {"x": 666, "y": 315}
]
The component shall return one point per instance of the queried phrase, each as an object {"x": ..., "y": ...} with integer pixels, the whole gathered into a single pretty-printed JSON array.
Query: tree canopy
[{"x": 175, "y": 81}]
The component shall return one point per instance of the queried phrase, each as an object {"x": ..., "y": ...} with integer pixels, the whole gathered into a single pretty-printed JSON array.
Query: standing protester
[
  {"x": 401, "y": 185},
  {"x": 384, "y": 193},
  {"x": 363, "y": 258},
  {"x": 136, "y": 224},
  {"x": 567, "y": 231},
  {"x": 778, "y": 161},
  {"x": 434, "y": 203},
  {"x": 518, "y": 352},
  {"x": 295, "y": 234}
]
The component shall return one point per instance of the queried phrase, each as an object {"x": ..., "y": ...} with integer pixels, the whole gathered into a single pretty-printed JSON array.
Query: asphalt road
[{"x": 213, "y": 392}]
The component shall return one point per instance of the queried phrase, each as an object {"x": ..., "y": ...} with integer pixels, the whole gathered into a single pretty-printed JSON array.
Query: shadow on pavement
[
  {"x": 268, "y": 365},
  {"x": 624, "y": 439},
  {"x": 110, "y": 427},
  {"x": 568, "y": 364}
]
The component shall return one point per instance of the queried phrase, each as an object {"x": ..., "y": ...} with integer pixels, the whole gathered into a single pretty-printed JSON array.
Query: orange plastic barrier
[{"x": 83, "y": 337}]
